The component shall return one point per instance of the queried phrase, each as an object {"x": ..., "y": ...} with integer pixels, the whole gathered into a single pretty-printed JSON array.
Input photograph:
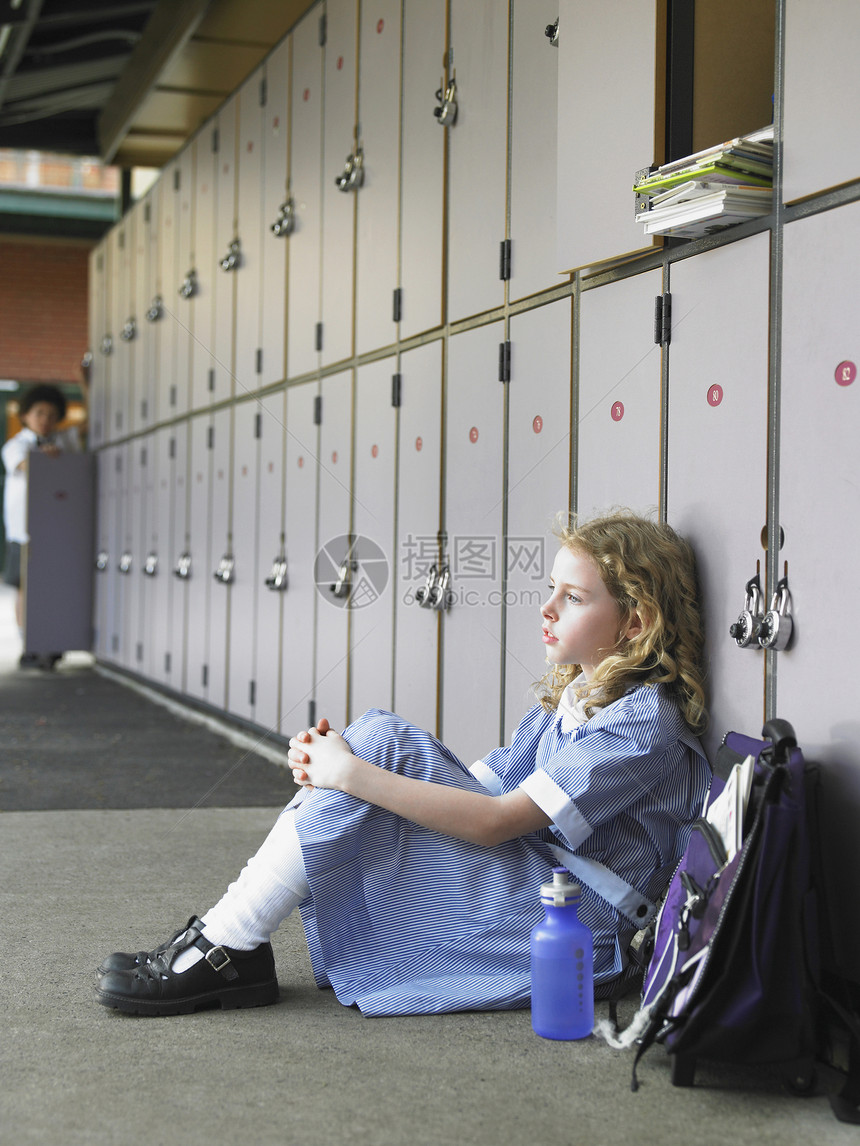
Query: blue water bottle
[{"x": 562, "y": 960}]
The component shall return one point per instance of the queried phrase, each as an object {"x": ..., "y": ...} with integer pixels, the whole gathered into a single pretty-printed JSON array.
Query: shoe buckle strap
[{"x": 220, "y": 961}]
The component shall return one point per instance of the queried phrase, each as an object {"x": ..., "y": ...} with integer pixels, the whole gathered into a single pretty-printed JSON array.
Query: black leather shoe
[
  {"x": 223, "y": 978},
  {"x": 126, "y": 961}
]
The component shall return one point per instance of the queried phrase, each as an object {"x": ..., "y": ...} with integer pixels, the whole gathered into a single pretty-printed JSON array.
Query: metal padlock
[
  {"x": 224, "y": 572},
  {"x": 182, "y": 569},
  {"x": 440, "y": 597},
  {"x": 343, "y": 584},
  {"x": 777, "y": 626},
  {"x": 150, "y": 565},
  {"x": 446, "y": 113},
  {"x": 353, "y": 172},
  {"x": 233, "y": 259},
  {"x": 746, "y": 629},
  {"x": 424, "y": 595},
  {"x": 285, "y": 223},
  {"x": 277, "y": 579}
]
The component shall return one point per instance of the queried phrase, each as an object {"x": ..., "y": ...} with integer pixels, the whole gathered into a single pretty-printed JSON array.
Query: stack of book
[{"x": 710, "y": 190}]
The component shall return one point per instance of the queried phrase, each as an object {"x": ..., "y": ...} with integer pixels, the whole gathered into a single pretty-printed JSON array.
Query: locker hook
[
  {"x": 777, "y": 625},
  {"x": 552, "y": 33},
  {"x": 352, "y": 175},
  {"x": 747, "y": 627},
  {"x": 189, "y": 284},
  {"x": 233, "y": 259},
  {"x": 446, "y": 113},
  {"x": 129, "y": 331},
  {"x": 156, "y": 309},
  {"x": 285, "y": 223}
]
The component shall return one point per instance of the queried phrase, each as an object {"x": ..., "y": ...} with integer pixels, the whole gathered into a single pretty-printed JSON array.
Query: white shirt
[{"x": 13, "y": 453}]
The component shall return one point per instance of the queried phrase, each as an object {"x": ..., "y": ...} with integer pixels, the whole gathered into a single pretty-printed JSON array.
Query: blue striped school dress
[{"x": 404, "y": 920}]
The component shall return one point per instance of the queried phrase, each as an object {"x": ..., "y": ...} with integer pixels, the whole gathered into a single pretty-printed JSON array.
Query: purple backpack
[{"x": 735, "y": 973}]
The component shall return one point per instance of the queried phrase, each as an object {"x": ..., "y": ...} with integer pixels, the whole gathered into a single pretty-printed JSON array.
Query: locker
[
  {"x": 158, "y": 616},
  {"x": 137, "y": 330},
  {"x": 198, "y": 547},
  {"x": 477, "y": 144},
  {"x": 300, "y": 598},
  {"x": 306, "y": 104},
  {"x": 273, "y": 305},
  {"x": 539, "y": 464},
  {"x": 334, "y": 559},
  {"x": 120, "y": 241},
  {"x": 190, "y": 292},
  {"x": 198, "y": 264},
  {"x": 141, "y": 581},
  {"x": 149, "y": 313},
  {"x": 118, "y": 618},
  {"x": 221, "y": 558},
  {"x": 474, "y": 502},
  {"x": 249, "y": 216},
  {"x": 422, "y": 169},
  {"x": 228, "y": 260},
  {"x": 371, "y": 602},
  {"x": 169, "y": 280},
  {"x": 132, "y": 561},
  {"x": 98, "y": 327},
  {"x": 610, "y": 48},
  {"x": 419, "y": 459},
  {"x": 818, "y": 509},
  {"x": 377, "y": 200},
  {"x": 618, "y": 424},
  {"x": 179, "y": 550},
  {"x": 105, "y": 551},
  {"x": 821, "y": 93},
  {"x": 338, "y": 207},
  {"x": 244, "y": 586},
  {"x": 717, "y": 454},
  {"x": 272, "y": 573},
  {"x": 534, "y": 131}
]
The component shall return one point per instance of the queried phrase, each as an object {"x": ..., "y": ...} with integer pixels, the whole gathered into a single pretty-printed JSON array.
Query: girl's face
[
  {"x": 42, "y": 418},
  {"x": 581, "y": 620}
]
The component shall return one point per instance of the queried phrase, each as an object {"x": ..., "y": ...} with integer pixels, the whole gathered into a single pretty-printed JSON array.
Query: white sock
[{"x": 270, "y": 885}]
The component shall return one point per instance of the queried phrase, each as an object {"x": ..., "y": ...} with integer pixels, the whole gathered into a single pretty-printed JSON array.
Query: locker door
[
  {"x": 220, "y": 554},
  {"x": 143, "y": 510},
  {"x": 118, "y": 621},
  {"x": 97, "y": 330},
  {"x": 371, "y": 601},
  {"x": 137, "y": 309},
  {"x": 422, "y": 169},
  {"x": 619, "y": 397},
  {"x": 534, "y": 141},
  {"x": 376, "y": 236},
  {"x": 334, "y": 548},
  {"x": 104, "y": 586},
  {"x": 338, "y": 206},
  {"x": 301, "y": 598},
  {"x": 416, "y": 644},
  {"x": 717, "y": 462},
  {"x": 608, "y": 48},
  {"x": 180, "y": 569},
  {"x": 821, "y": 94},
  {"x": 201, "y": 262},
  {"x": 474, "y": 500},
  {"x": 273, "y": 304},
  {"x": 303, "y": 298},
  {"x": 117, "y": 349},
  {"x": 248, "y": 281},
  {"x": 159, "y": 618},
  {"x": 477, "y": 155},
  {"x": 122, "y": 304},
  {"x": 818, "y": 512},
  {"x": 224, "y": 281},
  {"x": 271, "y": 556},
  {"x": 244, "y": 587},
  {"x": 200, "y": 581},
  {"x": 187, "y": 293},
  {"x": 539, "y": 464},
  {"x": 148, "y": 310},
  {"x": 169, "y": 278}
]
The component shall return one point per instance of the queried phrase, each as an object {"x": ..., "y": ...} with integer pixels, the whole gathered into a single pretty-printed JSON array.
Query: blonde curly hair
[{"x": 651, "y": 572}]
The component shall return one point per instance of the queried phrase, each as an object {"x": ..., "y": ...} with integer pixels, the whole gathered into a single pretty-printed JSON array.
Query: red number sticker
[
  {"x": 301, "y": 461},
  {"x": 306, "y": 94},
  {"x": 473, "y": 434},
  {"x": 380, "y": 26},
  {"x": 845, "y": 374},
  {"x": 374, "y": 451},
  {"x": 537, "y": 424},
  {"x": 334, "y": 456},
  {"x": 419, "y": 444},
  {"x": 715, "y": 394},
  {"x": 340, "y": 63},
  {"x": 617, "y": 411}
]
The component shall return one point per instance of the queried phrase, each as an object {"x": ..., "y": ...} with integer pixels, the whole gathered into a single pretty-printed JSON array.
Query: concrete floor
[{"x": 78, "y": 882}]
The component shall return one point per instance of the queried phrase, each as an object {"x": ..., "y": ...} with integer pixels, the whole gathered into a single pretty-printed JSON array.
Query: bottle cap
[{"x": 562, "y": 891}]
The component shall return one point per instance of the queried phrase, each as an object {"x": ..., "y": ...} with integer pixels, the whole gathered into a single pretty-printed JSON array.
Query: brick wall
[{"x": 43, "y": 309}]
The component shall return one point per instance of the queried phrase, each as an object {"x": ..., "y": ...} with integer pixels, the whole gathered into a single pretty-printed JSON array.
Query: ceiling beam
[{"x": 171, "y": 25}]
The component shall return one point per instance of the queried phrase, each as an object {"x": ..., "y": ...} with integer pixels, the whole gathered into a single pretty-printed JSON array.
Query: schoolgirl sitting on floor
[{"x": 418, "y": 878}]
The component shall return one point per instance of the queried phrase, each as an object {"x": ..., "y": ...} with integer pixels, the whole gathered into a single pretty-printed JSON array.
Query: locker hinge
[
  {"x": 252, "y": 693},
  {"x": 167, "y": 662},
  {"x": 663, "y": 319},
  {"x": 318, "y": 410},
  {"x": 323, "y": 34},
  {"x": 259, "y": 360},
  {"x": 504, "y": 361},
  {"x": 205, "y": 676},
  {"x": 215, "y": 139},
  {"x": 264, "y": 91},
  {"x": 171, "y": 449},
  {"x": 397, "y": 306},
  {"x": 173, "y": 395},
  {"x": 258, "y": 425},
  {"x": 395, "y": 389},
  {"x": 318, "y": 336},
  {"x": 505, "y": 260},
  {"x": 212, "y": 379},
  {"x": 210, "y": 437},
  {"x": 147, "y": 213},
  {"x": 312, "y": 713}
]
